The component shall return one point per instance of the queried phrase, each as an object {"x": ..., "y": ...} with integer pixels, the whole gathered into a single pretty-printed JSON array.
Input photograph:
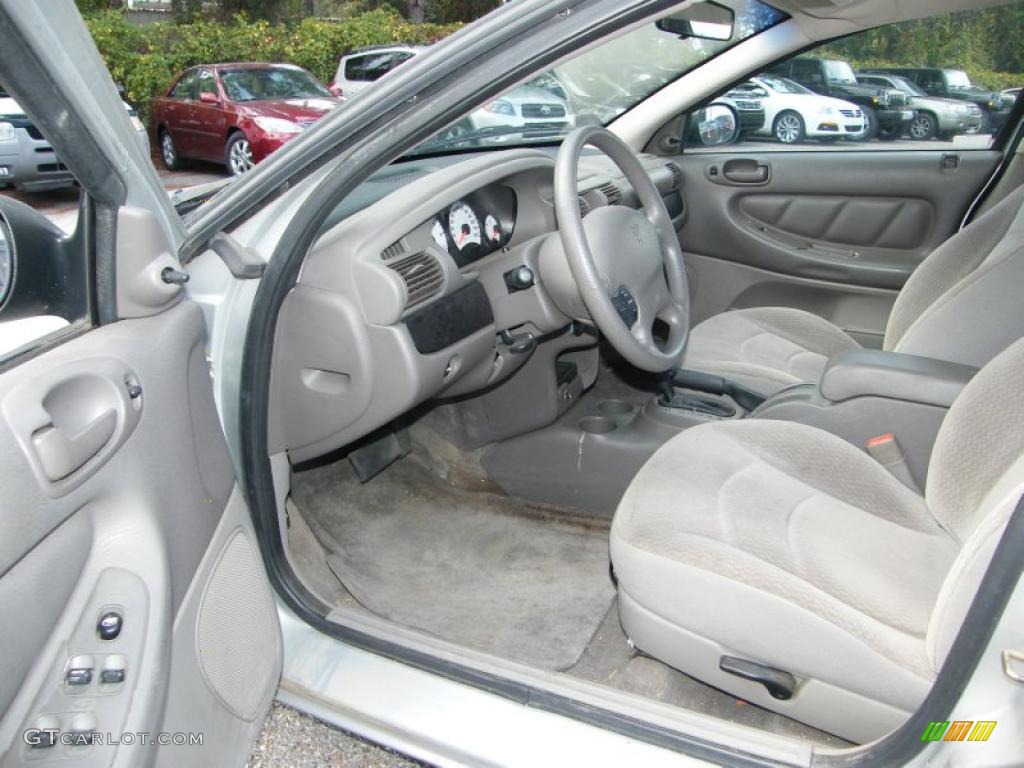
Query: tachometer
[
  {"x": 492, "y": 229},
  {"x": 437, "y": 232},
  {"x": 463, "y": 225}
]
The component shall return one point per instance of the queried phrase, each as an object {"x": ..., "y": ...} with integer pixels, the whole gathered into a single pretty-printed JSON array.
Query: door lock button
[{"x": 109, "y": 626}]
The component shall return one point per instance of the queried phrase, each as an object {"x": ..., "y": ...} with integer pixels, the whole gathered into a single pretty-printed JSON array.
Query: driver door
[{"x": 139, "y": 627}]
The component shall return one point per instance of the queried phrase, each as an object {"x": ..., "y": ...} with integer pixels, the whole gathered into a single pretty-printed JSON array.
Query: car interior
[{"x": 735, "y": 431}]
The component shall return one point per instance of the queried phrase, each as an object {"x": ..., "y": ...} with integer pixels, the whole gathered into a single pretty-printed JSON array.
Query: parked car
[
  {"x": 236, "y": 114},
  {"x": 363, "y": 66},
  {"x": 936, "y": 116},
  {"x": 887, "y": 111},
  {"x": 955, "y": 84},
  {"x": 537, "y": 108},
  {"x": 27, "y": 161},
  {"x": 794, "y": 113}
]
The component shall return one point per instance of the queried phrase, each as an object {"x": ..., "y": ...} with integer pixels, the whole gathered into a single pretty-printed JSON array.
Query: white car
[
  {"x": 27, "y": 161},
  {"x": 535, "y": 110},
  {"x": 793, "y": 113}
]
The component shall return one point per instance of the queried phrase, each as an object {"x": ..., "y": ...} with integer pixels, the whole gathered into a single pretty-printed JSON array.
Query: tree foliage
[
  {"x": 145, "y": 60},
  {"x": 985, "y": 43}
]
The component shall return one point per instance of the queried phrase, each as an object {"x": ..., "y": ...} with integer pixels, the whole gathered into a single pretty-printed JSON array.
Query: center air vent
[
  {"x": 611, "y": 193},
  {"x": 677, "y": 175},
  {"x": 584, "y": 206},
  {"x": 423, "y": 276}
]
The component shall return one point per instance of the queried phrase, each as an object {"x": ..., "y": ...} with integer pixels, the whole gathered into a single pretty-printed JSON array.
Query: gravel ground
[{"x": 296, "y": 740}]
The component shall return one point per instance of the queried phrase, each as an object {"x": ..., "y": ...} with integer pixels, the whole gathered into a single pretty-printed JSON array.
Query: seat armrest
[{"x": 873, "y": 373}]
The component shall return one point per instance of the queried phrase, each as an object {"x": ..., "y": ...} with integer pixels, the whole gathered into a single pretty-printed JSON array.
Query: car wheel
[
  {"x": 238, "y": 154},
  {"x": 870, "y": 125},
  {"x": 789, "y": 128},
  {"x": 169, "y": 152},
  {"x": 923, "y": 128}
]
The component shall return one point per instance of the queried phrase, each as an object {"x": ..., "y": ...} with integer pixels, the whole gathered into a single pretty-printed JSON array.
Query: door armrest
[{"x": 873, "y": 373}]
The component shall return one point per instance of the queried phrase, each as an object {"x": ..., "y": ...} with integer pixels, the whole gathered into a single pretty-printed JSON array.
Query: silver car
[{"x": 936, "y": 117}]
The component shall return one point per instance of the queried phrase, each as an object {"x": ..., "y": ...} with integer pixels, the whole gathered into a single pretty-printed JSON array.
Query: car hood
[
  {"x": 10, "y": 107},
  {"x": 936, "y": 102},
  {"x": 529, "y": 94},
  {"x": 290, "y": 109}
]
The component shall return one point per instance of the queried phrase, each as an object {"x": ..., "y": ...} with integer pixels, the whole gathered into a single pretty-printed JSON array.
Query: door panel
[
  {"x": 834, "y": 232},
  {"x": 138, "y": 529}
]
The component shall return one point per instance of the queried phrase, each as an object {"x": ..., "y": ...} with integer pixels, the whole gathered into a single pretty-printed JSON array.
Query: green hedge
[{"x": 145, "y": 60}]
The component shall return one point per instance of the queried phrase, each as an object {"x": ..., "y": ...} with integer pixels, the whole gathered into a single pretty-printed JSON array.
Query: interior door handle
[
  {"x": 745, "y": 171},
  {"x": 61, "y": 453}
]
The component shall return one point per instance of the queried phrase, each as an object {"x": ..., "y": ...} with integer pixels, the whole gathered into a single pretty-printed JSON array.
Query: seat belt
[{"x": 886, "y": 450}]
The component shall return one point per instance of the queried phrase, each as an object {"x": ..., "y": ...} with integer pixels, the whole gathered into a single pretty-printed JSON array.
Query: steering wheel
[{"x": 627, "y": 264}]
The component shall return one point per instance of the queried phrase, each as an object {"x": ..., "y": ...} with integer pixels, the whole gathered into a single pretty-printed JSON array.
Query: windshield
[
  {"x": 956, "y": 78},
  {"x": 597, "y": 86},
  {"x": 782, "y": 85},
  {"x": 256, "y": 84},
  {"x": 839, "y": 72},
  {"x": 907, "y": 87}
]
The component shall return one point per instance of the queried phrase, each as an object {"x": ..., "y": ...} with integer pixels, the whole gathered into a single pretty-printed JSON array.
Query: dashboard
[
  {"x": 477, "y": 225},
  {"x": 436, "y": 279}
]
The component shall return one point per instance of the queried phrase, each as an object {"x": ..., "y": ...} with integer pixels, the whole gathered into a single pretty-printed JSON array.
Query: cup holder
[
  {"x": 615, "y": 408},
  {"x": 597, "y": 425}
]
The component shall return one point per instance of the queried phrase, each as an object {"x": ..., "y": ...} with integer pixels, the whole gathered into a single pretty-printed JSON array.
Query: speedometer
[{"x": 463, "y": 226}]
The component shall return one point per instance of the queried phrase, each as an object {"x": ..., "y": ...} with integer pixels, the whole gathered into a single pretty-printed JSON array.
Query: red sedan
[{"x": 236, "y": 114}]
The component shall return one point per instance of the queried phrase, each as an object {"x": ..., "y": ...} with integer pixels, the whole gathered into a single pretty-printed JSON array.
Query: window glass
[
  {"x": 354, "y": 68},
  {"x": 186, "y": 87},
  {"x": 602, "y": 83},
  {"x": 44, "y": 278},
  {"x": 864, "y": 92},
  {"x": 262, "y": 83},
  {"x": 377, "y": 65},
  {"x": 207, "y": 82}
]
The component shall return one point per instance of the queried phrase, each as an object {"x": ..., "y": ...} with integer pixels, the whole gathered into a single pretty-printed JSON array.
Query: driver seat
[
  {"x": 961, "y": 304},
  {"x": 781, "y": 545}
]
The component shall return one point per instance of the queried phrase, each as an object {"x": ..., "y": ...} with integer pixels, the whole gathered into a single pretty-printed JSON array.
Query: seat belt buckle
[{"x": 886, "y": 450}]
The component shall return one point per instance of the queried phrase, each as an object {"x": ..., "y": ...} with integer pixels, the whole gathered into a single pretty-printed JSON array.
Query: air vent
[
  {"x": 677, "y": 175},
  {"x": 423, "y": 276},
  {"x": 611, "y": 193},
  {"x": 584, "y": 206},
  {"x": 395, "y": 250}
]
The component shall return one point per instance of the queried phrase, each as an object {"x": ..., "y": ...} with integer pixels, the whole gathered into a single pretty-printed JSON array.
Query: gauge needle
[{"x": 461, "y": 240}]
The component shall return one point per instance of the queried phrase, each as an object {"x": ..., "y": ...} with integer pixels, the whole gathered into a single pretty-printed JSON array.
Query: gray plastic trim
[{"x": 861, "y": 372}]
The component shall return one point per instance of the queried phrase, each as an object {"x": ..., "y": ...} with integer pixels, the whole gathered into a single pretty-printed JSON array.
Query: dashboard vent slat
[
  {"x": 423, "y": 277},
  {"x": 611, "y": 193},
  {"x": 677, "y": 175},
  {"x": 395, "y": 250},
  {"x": 584, "y": 206}
]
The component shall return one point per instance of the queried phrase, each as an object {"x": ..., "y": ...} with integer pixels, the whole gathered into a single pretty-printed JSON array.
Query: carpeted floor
[{"x": 490, "y": 572}]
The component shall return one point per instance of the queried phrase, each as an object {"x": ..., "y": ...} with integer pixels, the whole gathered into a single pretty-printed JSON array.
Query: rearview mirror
[
  {"x": 716, "y": 125},
  {"x": 704, "y": 21}
]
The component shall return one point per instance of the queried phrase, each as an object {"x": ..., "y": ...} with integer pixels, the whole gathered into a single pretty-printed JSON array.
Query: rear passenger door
[{"x": 833, "y": 228}]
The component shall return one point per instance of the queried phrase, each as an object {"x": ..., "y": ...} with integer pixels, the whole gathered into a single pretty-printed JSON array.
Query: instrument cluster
[{"x": 477, "y": 225}]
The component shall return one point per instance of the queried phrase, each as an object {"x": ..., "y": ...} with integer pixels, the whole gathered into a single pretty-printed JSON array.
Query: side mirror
[
  {"x": 703, "y": 21},
  {"x": 208, "y": 98},
  {"x": 716, "y": 125},
  {"x": 6, "y": 262}
]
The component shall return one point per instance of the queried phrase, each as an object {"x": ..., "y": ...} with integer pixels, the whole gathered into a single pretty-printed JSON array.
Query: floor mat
[{"x": 486, "y": 571}]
